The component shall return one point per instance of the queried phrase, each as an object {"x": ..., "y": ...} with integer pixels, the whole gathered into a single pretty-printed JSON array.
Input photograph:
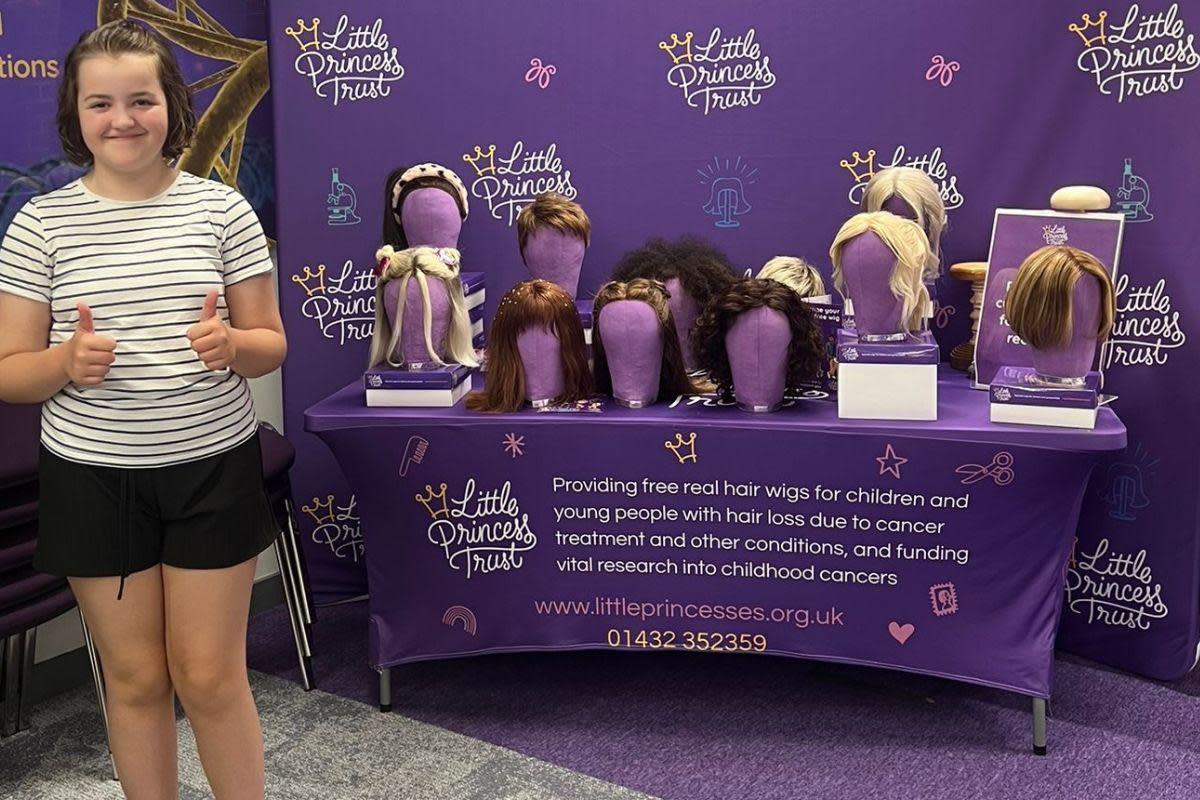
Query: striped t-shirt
[{"x": 144, "y": 268}]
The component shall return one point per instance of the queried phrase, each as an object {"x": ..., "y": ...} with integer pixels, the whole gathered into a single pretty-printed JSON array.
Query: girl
[{"x": 136, "y": 302}]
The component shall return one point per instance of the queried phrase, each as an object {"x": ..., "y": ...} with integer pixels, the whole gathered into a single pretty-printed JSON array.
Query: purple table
[{"x": 931, "y": 547}]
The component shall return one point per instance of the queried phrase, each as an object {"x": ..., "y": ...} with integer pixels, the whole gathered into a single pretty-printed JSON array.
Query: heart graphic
[{"x": 901, "y": 632}]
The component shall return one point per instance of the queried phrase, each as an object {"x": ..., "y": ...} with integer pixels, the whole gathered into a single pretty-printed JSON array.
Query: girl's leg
[
  {"x": 129, "y": 636},
  {"x": 206, "y": 615}
]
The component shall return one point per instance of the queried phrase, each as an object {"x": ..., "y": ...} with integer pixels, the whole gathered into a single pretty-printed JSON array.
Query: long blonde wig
[
  {"x": 422, "y": 263},
  {"x": 922, "y": 195},
  {"x": 1038, "y": 304},
  {"x": 908, "y": 244},
  {"x": 794, "y": 273}
]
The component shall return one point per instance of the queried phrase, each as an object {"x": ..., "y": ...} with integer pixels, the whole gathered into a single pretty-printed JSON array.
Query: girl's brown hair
[
  {"x": 113, "y": 39},
  {"x": 1038, "y": 304},
  {"x": 805, "y": 353},
  {"x": 672, "y": 378},
  {"x": 526, "y": 305}
]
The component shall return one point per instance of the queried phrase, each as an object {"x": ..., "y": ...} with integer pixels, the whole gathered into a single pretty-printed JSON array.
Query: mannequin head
[
  {"x": 794, "y": 273},
  {"x": 425, "y": 205},
  {"x": 541, "y": 307},
  {"x": 878, "y": 261},
  {"x": 1062, "y": 304},
  {"x": 910, "y": 193},
  {"x": 420, "y": 312},
  {"x": 553, "y": 233},
  {"x": 637, "y": 322}
]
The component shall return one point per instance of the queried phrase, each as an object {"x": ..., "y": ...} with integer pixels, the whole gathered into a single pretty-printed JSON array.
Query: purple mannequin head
[
  {"x": 553, "y": 233},
  {"x": 878, "y": 260},
  {"x": 410, "y": 351},
  {"x": 910, "y": 193},
  {"x": 757, "y": 344},
  {"x": 430, "y": 217},
  {"x": 541, "y": 357},
  {"x": 633, "y": 342},
  {"x": 425, "y": 205}
]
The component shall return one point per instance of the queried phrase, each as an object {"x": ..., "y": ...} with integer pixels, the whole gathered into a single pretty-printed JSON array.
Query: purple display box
[
  {"x": 1017, "y": 386},
  {"x": 919, "y": 348},
  {"x": 473, "y": 282},
  {"x": 829, "y": 317},
  {"x": 432, "y": 377}
]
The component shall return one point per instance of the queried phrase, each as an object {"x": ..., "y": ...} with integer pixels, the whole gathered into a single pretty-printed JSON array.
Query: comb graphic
[{"x": 414, "y": 452}]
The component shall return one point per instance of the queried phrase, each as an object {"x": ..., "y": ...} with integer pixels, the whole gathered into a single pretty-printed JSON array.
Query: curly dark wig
[
  {"x": 702, "y": 270},
  {"x": 805, "y": 353},
  {"x": 673, "y": 380}
]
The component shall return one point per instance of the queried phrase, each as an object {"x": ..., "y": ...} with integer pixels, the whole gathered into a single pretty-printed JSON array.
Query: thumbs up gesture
[
  {"x": 210, "y": 336},
  {"x": 88, "y": 356}
]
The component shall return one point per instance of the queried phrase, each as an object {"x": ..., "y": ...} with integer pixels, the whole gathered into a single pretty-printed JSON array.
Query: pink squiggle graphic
[
  {"x": 539, "y": 73},
  {"x": 1000, "y": 470},
  {"x": 941, "y": 70},
  {"x": 942, "y": 315}
]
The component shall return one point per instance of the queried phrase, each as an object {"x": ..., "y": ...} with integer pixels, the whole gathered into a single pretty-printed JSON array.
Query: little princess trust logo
[
  {"x": 342, "y": 305},
  {"x": 336, "y": 526},
  {"x": 479, "y": 532},
  {"x": 348, "y": 63},
  {"x": 1054, "y": 234},
  {"x": 863, "y": 167},
  {"x": 722, "y": 73},
  {"x": 1141, "y": 55},
  {"x": 508, "y": 183}
]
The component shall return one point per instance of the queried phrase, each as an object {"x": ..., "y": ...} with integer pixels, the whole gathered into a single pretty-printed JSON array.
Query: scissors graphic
[{"x": 1000, "y": 470}]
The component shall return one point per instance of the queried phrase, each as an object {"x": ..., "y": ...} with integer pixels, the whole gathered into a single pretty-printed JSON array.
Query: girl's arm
[
  {"x": 31, "y": 372},
  {"x": 255, "y": 326}
]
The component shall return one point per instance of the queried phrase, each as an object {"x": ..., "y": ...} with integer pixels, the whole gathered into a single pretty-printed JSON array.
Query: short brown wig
[
  {"x": 529, "y": 304},
  {"x": 115, "y": 38},
  {"x": 805, "y": 353},
  {"x": 1038, "y": 304},
  {"x": 702, "y": 270},
  {"x": 672, "y": 378},
  {"x": 552, "y": 210}
]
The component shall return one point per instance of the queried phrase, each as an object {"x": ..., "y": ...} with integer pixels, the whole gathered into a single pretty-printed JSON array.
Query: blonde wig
[
  {"x": 1038, "y": 304},
  {"x": 551, "y": 210},
  {"x": 794, "y": 273},
  {"x": 421, "y": 263},
  {"x": 922, "y": 195},
  {"x": 530, "y": 304},
  {"x": 673, "y": 380},
  {"x": 908, "y": 244}
]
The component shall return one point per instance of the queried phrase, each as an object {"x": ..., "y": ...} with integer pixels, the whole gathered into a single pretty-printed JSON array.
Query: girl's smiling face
[{"x": 122, "y": 111}]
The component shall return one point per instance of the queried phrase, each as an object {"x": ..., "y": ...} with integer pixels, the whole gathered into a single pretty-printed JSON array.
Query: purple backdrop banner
[{"x": 792, "y": 105}]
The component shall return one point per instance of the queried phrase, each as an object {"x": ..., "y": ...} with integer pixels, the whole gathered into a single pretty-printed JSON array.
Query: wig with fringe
[
  {"x": 530, "y": 304},
  {"x": 702, "y": 270},
  {"x": 908, "y": 244},
  {"x": 922, "y": 195},
  {"x": 806, "y": 352},
  {"x": 1038, "y": 304},
  {"x": 672, "y": 377},
  {"x": 421, "y": 263},
  {"x": 794, "y": 273},
  {"x": 393, "y": 231}
]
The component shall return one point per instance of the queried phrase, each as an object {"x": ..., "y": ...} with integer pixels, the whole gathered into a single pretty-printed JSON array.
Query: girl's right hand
[{"x": 87, "y": 356}]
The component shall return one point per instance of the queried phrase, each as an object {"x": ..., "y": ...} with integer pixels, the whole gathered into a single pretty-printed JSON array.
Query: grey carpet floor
[{"x": 317, "y": 746}]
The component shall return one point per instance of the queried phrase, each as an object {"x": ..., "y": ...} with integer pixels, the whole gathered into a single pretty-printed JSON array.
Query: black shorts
[{"x": 96, "y": 521}]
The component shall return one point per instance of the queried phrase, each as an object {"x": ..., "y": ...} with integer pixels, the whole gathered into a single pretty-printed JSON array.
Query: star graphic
[
  {"x": 513, "y": 444},
  {"x": 890, "y": 462}
]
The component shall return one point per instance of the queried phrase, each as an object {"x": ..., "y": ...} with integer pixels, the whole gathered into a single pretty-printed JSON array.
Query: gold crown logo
[
  {"x": 479, "y": 156},
  {"x": 669, "y": 49},
  {"x": 682, "y": 444},
  {"x": 859, "y": 177},
  {"x": 295, "y": 34},
  {"x": 434, "y": 509},
  {"x": 308, "y": 276},
  {"x": 322, "y": 513},
  {"x": 1088, "y": 22}
]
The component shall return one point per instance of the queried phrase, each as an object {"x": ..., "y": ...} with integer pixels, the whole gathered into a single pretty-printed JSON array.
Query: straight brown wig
[
  {"x": 529, "y": 304},
  {"x": 702, "y": 270},
  {"x": 805, "y": 353},
  {"x": 672, "y": 378},
  {"x": 1038, "y": 304},
  {"x": 115, "y": 38}
]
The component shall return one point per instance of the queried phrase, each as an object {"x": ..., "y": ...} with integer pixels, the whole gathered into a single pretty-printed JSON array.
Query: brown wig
[
  {"x": 393, "y": 231},
  {"x": 805, "y": 353},
  {"x": 551, "y": 210},
  {"x": 529, "y": 304},
  {"x": 115, "y": 38},
  {"x": 702, "y": 270},
  {"x": 672, "y": 378},
  {"x": 1038, "y": 304}
]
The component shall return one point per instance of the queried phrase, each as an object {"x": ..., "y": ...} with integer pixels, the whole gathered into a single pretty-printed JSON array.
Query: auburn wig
[
  {"x": 403, "y": 181},
  {"x": 702, "y": 270},
  {"x": 922, "y": 195},
  {"x": 794, "y": 273},
  {"x": 422, "y": 263},
  {"x": 908, "y": 244},
  {"x": 1038, "y": 304},
  {"x": 672, "y": 378},
  {"x": 805, "y": 353},
  {"x": 530, "y": 304},
  {"x": 552, "y": 210}
]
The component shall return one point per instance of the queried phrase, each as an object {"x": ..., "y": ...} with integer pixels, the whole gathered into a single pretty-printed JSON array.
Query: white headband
[{"x": 430, "y": 170}]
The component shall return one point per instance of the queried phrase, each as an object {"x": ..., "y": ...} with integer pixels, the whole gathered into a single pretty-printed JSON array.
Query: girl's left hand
[{"x": 211, "y": 338}]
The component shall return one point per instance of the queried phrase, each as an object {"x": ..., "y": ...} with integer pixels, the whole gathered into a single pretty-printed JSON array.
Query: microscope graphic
[
  {"x": 727, "y": 192},
  {"x": 341, "y": 202},
  {"x": 1133, "y": 196}
]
